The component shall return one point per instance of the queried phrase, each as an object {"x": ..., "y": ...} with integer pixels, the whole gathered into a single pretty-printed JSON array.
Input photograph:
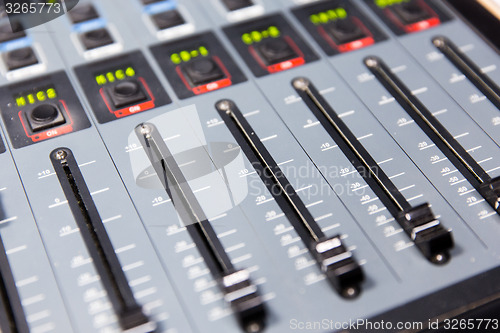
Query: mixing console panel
[{"x": 247, "y": 166}]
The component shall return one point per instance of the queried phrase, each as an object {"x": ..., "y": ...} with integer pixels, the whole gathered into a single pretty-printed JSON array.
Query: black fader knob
[
  {"x": 126, "y": 93},
  {"x": 275, "y": 50},
  {"x": 45, "y": 116},
  {"x": 345, "y": 31},
  {"x": 19, "y": 58},
  {"x": 96, "y": 38},
  {"x": 202, "y": 71}
]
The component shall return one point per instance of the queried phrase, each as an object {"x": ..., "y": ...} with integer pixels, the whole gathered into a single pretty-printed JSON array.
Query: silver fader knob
[
  {"x": 245, "y": 301},
  {"x": 339, "y": 266}
]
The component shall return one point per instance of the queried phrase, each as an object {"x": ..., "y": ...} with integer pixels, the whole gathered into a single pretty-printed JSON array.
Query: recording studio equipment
[{"x": 249, "y": 165}]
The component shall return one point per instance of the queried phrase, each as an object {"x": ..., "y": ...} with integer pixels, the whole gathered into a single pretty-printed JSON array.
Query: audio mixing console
[{"x": 249, "y": 166}]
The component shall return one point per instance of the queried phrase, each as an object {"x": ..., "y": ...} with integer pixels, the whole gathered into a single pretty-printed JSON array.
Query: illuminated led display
[
  {"x": 256, "y": 36},
  {"x": 385, "y": 3},
  {"x": 114, "y": 75},
  {"x": 186, "y": 55},
  {"x": 328, "y": 16},
  {"x": 34, "y": 96}
]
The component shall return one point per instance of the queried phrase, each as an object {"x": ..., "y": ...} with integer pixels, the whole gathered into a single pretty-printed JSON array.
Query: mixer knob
[
  {"x": 168, "y": 19},
  {"x": 45, "y": 116},
  {"x": 20, "y": 58},
  {"x": 96, "y": 38},
  {"x": 203, "y": 70},
  {"x": 11, "y": 31},
  {"x": 148, "y": 2},
  {"x": 275, "y": 50},
  {"x": 126, "y": 93},
  {"x": 237, "y": 4},
  {"x": 409, "y": 13},
  {"x": 345, "y": 31},
  {"x": 83, "y": 13}
]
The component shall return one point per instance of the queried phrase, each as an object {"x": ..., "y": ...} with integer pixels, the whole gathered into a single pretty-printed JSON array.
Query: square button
[
  {"x": 96, "y": 38},
  {"x": 344, "y": 31},
  {"x": 19, "y": 58},
  {"x": 275, "y": 50},
  {"x": 237, "y": 4},
  {"x": 82, "y": 13},
  {"x": 126, "y": 93},
  {"x": 409, "y": 13},
  {"x": 7, "y": 31},
  {"x": 45, "y": 116},
  {"x": 202, "y": 71},
  {"x": 168, "y": 19}
]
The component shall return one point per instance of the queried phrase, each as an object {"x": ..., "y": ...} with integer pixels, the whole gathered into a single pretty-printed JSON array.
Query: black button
[
  {"x": 237, "y": 4},
  {"x": 7, "y": 31},
  {"x": 96, "y": 38},
  {"x": 45, "y": 116},
  {"x": 275, "y": 50},
  {"x": 202, "y": 70},
  {"x": 409, "y": 13},
  {"x": 168, "y": 19},
  {"x": 126, "y": 93},
  {"x": 345, "y": 31},
  {"x": 20, "y": 58},
  {"x": 83, "y": 13}
]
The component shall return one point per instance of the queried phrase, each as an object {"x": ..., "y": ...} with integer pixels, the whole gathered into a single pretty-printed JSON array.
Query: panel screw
[
  {"x": 146, "y": 130},
  {"x": 438, "y": 41},
  {"x": 301, "y": 83},
  {"x": 224, "y": 106},
  {"x": 371, "y": 62},
  {"x": 61, "y": 155}
]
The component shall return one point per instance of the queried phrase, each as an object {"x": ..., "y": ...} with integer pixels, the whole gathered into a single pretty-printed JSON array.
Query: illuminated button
[
  {"x": 7, "y": 31},
  {"x": 20, "y": 58},
  {"x": 45, "y": 116},
  {"x": 409, "y": 13},
  {"x": 126, "y": 93},
  {"x": 237, "y": 4},
  {"x": 202, "y": 70},
  {"x": 83, "y": 13},
  {"x": 275, "y": 50},
  {"x": 345, "y": 31},
  {"x": 168, "y": 19},
  {"x": 96, "y": 38}
]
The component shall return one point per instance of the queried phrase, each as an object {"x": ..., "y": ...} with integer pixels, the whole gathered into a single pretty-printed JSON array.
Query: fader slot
[
  {"x": 486, "y": 186},
  {"x": 418, "y": 222},
  {"x": 239, "y": 291},
  {"x": 130, "y": 314},
  {"x": 12, "y": 317},
  {"x": 335, "y": 261},
  {"x": 468, "y": 68}
]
